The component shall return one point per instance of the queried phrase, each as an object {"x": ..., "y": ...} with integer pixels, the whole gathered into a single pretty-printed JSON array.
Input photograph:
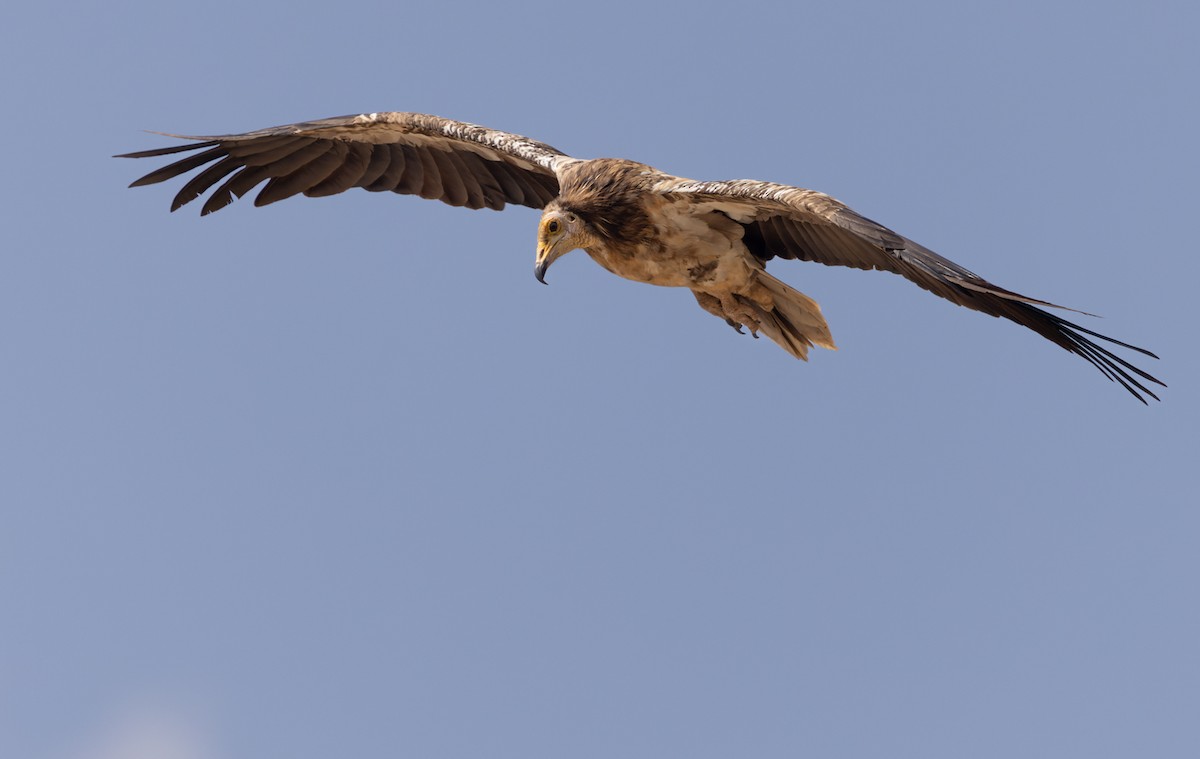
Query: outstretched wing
[
  {"x": 789, "y": 222},
  {"x": 411, "y": 153}
]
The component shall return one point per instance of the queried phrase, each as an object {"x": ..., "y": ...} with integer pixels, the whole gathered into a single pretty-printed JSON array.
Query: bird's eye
[{"x": 552, "y": 227}]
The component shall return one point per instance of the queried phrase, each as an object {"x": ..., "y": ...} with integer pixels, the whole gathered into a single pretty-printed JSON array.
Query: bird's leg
[
  {"x": 712, "y": 305},
  {"x": 745, "y": 311}
]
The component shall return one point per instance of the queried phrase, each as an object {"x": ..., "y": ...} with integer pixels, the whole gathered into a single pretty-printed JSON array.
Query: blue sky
[{"x": 337, "y": 477}]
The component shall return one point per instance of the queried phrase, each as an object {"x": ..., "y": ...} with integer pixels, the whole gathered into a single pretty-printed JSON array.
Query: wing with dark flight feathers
[
  {"x": 789, "y": 222},
  {"x": 411, "y": 153}
]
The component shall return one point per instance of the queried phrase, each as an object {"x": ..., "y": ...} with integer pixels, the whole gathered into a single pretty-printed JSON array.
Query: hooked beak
[{"x": 546, "y": 254}]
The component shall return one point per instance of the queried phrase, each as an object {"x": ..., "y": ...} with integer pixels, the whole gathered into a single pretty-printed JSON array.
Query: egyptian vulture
[{"x": 714, "y": 238}]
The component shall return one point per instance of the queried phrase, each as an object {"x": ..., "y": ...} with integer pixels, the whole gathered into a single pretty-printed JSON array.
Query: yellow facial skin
[{"x": 558, "y": 233}]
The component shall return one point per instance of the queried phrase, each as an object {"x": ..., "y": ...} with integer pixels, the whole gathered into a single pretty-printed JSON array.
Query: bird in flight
[{"x": 714, "y": 238}]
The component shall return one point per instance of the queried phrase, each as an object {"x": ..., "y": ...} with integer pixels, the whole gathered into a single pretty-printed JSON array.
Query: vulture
[{"x": 714, "y": 238}]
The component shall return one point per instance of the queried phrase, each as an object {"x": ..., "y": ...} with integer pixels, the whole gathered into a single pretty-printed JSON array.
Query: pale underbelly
[{"x": 698, "y": 271}]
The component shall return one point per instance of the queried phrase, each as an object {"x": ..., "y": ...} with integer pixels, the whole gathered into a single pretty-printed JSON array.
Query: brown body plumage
[
  {"x": 713, "y": 238},
  {"x": 646, "y": 236}
]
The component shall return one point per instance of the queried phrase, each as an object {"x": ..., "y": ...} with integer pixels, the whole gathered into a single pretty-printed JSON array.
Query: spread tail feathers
[
  {"x": 787, "y": 316},
  {"x": 795, "y": 323}
]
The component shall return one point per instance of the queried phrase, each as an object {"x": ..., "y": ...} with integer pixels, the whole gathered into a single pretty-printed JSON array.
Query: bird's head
[{"x": 560, "y": 232}]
